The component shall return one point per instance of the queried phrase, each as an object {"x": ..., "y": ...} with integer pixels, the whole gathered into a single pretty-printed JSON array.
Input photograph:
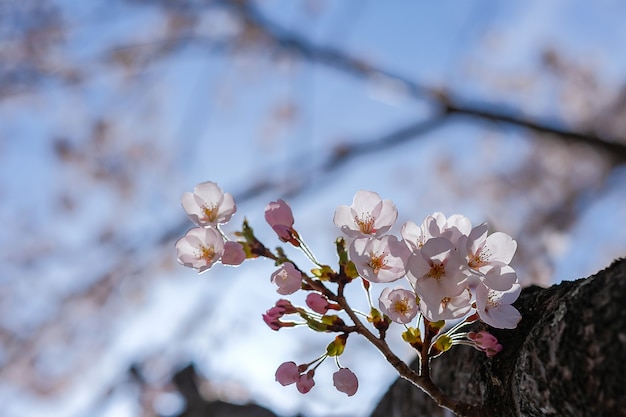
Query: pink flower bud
[
  {"x": 279, "y": 216},
  {"x": 305, "y": 382},
  {"x": 317, "y": 303},
  {"x": 233, "y": 254},
  {"x": 275, "y": 312},
  {"x": 287, "y": 373},
  {"x": 345, "y": 381},
  {"x": 272, "y": 322},
  {"x": 286, "y": 306},
  {"x": 486, "y": 342}
]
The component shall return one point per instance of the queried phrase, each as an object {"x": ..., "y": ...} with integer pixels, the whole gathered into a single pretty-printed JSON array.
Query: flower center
[
  {"x": 377, "y": 262},
  {"x": 491, "y": 303},
  {"x": 365, "y": 223},
  {"x": 401, "y": 306},
  {"x": 206, "y": 252},
  {"x": 445, "y": 301},
  {"x": 210, "y": 212},
  {"x": 437, "y": 270},
  {"x": 479, "y": 259}
]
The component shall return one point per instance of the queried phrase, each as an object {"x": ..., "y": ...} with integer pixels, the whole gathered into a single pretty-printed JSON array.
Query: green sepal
[
  {"x": 350, "y": 270},
  {"x": 380, "y": 321},
  {"x": 325, "y": 273},
  {"x": 332, "y": 320},
  {"x": 315, "y": 325},
  {"x": 342, "y": 253},
  {"x": 412, "y": 335},
  {"x": 337, "y": 346},
  {"x": 443, "y": 343}
]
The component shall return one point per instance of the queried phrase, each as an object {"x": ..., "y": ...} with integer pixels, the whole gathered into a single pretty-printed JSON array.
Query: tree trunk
[{"x": 567, "y": 357}]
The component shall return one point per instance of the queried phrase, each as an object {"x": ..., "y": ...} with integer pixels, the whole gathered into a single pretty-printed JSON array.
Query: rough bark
[{"x": 567, "y": 357}]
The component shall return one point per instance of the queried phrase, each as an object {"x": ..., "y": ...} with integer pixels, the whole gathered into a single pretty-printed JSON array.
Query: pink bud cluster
[
  {"x": 203, "y": 246},
  {"x": 288, "y": 373}
]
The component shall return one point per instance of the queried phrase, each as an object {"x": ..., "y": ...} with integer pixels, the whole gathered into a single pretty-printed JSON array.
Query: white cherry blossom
[
  {"x": 483, "y": 252},
  {"x": 368, "y": 215},
  {"x": 495, "y": 309},
  {"x": 379, "y": 259},
  {"x": 208, "y": 205},
  {"x": 399, "y": 304},
  {"x": 200, "y": 248},
  {"x": 436, "y": 271}
]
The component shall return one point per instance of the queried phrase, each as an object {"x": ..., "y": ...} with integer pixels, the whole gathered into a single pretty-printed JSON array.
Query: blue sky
[{"x": 103, "y": 215}]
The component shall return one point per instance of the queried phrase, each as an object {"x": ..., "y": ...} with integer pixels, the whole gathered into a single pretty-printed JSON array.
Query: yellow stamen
[
  {"x": 365, "y": 223},
  {"x": 377, "y": 262},
  {"x": 479, "y": 259},
  {"x": 437, "y": 270},
  {"x": 206, "y": 253},
  {"x": 401, "y": 306},
  {"x": 210, "y": 212}
]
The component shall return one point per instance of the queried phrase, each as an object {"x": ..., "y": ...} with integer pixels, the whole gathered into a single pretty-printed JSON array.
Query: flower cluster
[
  {"x": 450, "y": 269},
  {"x": 201, "y": 247}
]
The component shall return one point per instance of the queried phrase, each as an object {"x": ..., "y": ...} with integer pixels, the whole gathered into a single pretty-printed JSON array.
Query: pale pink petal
[
  {"x": 413, "y": 235},
  {"x": 500, "y": 278},
  {"x": 502, "y": 247}
]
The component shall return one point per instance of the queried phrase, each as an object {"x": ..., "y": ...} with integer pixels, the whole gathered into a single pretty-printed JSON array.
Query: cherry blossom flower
[
  {"x": 494, "y": 307},
  {"x": 287, "y": 373},
  {"x": 287, "y": 278},
  {"x": 208, "y": 205},
  {"x": 436, "y": 271},
  {"x": 486, "y": 342},
  {"x": 368, "y": 215},
  {"x": 399, "y": 304},
  {"x": 317, "y": 302},
  {"x": 485, "y": 252},
  {"x": 446, "y": 308},
  {"x": 279, "y": 216},
  {"x": 379, "y": 259},
  {"x": 346, "y": 381},
  {"x": 233, "y": 254},
  {"x": 200, "y": 248},
  {"x": 305, "y": 382}
]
